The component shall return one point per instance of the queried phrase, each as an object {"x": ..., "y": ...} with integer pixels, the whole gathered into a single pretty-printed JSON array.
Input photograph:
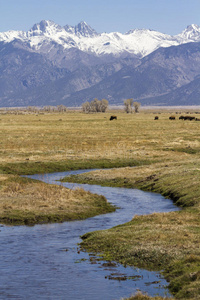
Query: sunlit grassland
[
  {"x": 166, "y": 156},
  {"x": 59, "y": 137}
]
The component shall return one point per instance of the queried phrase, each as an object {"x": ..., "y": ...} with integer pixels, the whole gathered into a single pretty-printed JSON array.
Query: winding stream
[{"x": 43, "y": 261}]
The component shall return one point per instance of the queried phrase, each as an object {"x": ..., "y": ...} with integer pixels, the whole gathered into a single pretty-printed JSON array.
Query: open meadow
[
  {"x": 166, "y": 158},
  {"x": 55, "y": 137}
]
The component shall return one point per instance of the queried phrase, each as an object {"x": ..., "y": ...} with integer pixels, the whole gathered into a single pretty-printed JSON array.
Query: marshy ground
[{"x": 166, "y": 156}]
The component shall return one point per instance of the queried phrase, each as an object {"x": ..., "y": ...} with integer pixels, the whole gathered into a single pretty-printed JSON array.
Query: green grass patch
[
  {"x": 20, "y": 217},
  {"x": 40, "y": 167},
  {"x": 188, "y": 150},
  {"x": 180, "y": 183},
  {"x": 184, "y": 277},
  {"x": 155, "y": 242}
]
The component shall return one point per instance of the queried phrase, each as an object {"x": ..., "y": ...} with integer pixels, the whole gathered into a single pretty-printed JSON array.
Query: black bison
[
  {"x": 172, "y": 118},
  {"x": 187, "y": 118},
  {"x": 156, "y": 118},
  {"x": 113, "y": 118},
  {"x": 190, "y": 118}
]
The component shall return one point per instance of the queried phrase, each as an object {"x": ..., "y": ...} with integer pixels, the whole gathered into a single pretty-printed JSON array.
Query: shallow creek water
[{"x": 43, "y": 261}]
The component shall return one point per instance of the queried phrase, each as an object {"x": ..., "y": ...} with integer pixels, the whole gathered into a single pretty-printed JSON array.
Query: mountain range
[{"x": 51, "y": 65}]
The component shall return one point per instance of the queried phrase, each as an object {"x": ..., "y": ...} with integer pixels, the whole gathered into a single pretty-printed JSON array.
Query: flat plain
[{"x": 166, "y": 158}]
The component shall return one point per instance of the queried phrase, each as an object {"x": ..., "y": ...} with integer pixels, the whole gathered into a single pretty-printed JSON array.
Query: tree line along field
[{"x": 166, "y": 156}]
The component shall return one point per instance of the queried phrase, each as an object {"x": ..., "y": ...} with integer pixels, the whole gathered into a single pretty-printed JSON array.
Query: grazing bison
[
  {"x": 189, "y": 118},
  {"x": 181, "y": 118},
  {"x": 172, "y": 118},
  {"x": 156, "y": 118},
  {"x": 113, "y": 118}
]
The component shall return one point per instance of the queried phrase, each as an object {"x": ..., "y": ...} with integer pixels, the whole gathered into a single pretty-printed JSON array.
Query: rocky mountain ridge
[
  {"x": 139, "y": 42},
  {"x": 51, "y": 64}
]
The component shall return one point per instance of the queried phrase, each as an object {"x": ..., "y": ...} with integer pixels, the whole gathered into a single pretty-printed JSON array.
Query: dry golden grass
[
  {"x": 39, "y": 197},
  {"x": 25, "y": 201},
  {"x": 78, "y": 136}
]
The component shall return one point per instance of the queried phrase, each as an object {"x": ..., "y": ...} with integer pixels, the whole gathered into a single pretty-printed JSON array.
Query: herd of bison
[{"x": 190, "y": 118}]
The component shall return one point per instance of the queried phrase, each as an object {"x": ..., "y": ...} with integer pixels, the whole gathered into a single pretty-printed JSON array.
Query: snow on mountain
[
  {"x": 82, "y": 29},
  {"x": 11, "y": 35},
  {"x": 140, "y": 42},
  {"x": 146, "y": 41},
  {"x": 192, "y": 32},
  {"x": 45, "y": 28}
]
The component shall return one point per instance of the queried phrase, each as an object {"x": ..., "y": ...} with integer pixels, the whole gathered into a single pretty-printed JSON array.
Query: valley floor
[{"x": 166, "y": 156}]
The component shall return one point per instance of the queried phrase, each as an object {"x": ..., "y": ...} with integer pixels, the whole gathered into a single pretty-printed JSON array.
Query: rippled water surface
[{"x": 43, "y": 261}]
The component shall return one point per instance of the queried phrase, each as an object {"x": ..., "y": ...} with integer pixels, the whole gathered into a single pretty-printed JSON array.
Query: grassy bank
[
  {"x": 167, "y": 241},
  {"x": 39, "y": 167},
  {"x": 140, "y": 296},
  {"x": 27, "y": 202},
  {"x": 178, "y": 180}
]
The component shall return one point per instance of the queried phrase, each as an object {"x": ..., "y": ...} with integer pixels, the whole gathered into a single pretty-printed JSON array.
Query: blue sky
[{"x": 167, "y": 16}]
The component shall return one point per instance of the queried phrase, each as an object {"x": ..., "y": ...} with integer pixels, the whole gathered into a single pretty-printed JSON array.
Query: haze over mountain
[{"x": 50, "y": 65}]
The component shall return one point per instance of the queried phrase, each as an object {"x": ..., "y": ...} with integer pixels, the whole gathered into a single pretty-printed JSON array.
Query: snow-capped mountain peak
[
  {"x": 82, "y": 29},
  {"x": 85, "y": 30},
  {"x": 44, "y": 28},
  {"x": 192, "y": 32},
  {"x": 47, "y": 35}
]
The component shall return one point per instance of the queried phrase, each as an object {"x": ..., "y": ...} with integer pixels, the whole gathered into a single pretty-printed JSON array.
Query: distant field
[
  {"x": 177, "y": 108},
  {"x": 155, "y": 108},
  {"x": 74, "y": 135}
]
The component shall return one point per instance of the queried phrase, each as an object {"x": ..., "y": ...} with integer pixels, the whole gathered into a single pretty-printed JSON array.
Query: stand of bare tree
[
  {"x": 129, "y": 104},
  {"x": 95, "y": 106}
]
